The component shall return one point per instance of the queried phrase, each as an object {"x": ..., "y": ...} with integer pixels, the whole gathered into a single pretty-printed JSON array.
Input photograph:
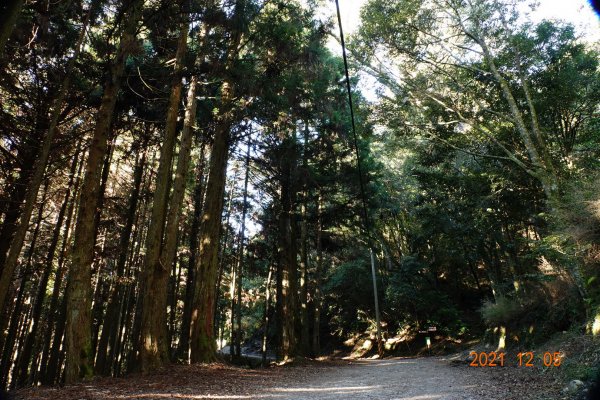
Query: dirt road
[
  {"x": 399, "y": 379},
  {"x": 416, "y": 379}
]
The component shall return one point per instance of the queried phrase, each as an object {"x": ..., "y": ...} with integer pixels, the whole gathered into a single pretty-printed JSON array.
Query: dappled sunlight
[
  {"x": 386, "y": 363},
  {"x": 327, "y": 389},
  {"x": 502, "y": 339},
  {"x": 596, "y": 325},
  {"x": 181, "y": 396}
]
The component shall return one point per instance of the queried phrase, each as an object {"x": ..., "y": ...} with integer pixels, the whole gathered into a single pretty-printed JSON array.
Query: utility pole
[{"x": 362, "y": 185}]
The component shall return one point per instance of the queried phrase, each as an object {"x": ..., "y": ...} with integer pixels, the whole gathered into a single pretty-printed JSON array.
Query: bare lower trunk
[
  {"x": 316, "y": 341},
  {"x": 288, "y": 253},
  {"x": 184, "y": 342},
  {"x": 203, "y": 345},
  {"x": 112, "y": 318},
  {"x": 42, "y": 285},
  {"x": 78, "y": 318},
  {"x": 304, "y": 280},
  {"x": 238, "y": 336},
  {"x": 266, "y": 318},
  {"x": 168, "y": 256},
  {"x": 154, "y": 350},
  {"x": 304, "y": 324},
  {"x": 28, "y": 270}
]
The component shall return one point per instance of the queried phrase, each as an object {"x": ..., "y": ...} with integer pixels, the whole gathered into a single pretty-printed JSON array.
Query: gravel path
[
  {"x": 433, "y": 378},
  {"x": 398, "y": 379}
]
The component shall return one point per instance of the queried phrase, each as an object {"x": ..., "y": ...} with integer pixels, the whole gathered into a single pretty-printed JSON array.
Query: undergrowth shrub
[{"x": 503, "y": 311}]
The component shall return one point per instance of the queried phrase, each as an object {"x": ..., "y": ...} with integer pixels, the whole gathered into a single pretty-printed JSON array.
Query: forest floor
[{"x": 431, "y": 378}]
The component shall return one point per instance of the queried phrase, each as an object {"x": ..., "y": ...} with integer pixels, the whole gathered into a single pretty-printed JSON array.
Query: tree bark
[
  {"x": 28, "y": 271},
  {"x": 39, "y": 167},
  {"x": 184, "y": 341},
  {"x": 288, "y": 253},
  {"x": 222, "y": 261},
  {"x": 112, "y": 318},
  {"x": 43, "y": 284},
  {"x": 168, "y": 256},
  {"x": 154, "y": 351},
  {"x": 238, "y": 336},
  {"x": 266, "y": 318},
  {"x": 316, "y": 340},
  {"x": 304, "y": 281},
  {"x": 203, "y": 346},
  {"x": 58, "y": 278},
  {"x": 9, "y": 343},
  {"x": 16, "y": 191},
  {"x": 78, "y": 318}
]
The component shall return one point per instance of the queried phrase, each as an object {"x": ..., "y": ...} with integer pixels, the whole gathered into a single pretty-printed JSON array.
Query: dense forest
[{"x": 186, "y": 181}]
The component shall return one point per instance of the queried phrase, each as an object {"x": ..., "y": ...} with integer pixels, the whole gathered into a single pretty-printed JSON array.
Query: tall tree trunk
[
  {"x": 266, "y": 318},
  {"x": 78, "y": 319},
  {"x": 316, "y": 340},
  {"x": 102, "y": 286},
  {"x": 173, "y": 301},
  {"x": 154, "y": 350},
  {"x": 53, "y": 310},
  {"x": 287, "y": 251},
  {"x": 112, "y": 318},
  {"x": 11, "y": 337},
  {"x": 223, "y": 260},
  {"x": 181, "y": 173},
  {"x": 184, "y": 341},
  {"x": 16, "y": 191},
  {"x": 304, "y": 281},
  {"x": 42, "y": 286},
  {"x": 203, "y": 346},
  {"x": 39, "y": 167},
  {"x": 132, "y": 335},
  {"x": 28, "y": 268},
  {"x": 168, "y": 256},
  {"x": 53, "y": 369},
  {"x": 238, "y": 336}
]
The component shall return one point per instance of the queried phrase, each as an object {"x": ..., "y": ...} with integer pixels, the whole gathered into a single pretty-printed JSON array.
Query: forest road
[
  {"x": 429, "y": 378},
  {"x": 398, "y": 379}
]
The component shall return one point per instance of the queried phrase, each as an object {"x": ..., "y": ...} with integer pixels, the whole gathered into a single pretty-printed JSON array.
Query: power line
[{"x": 360, "y": 179}]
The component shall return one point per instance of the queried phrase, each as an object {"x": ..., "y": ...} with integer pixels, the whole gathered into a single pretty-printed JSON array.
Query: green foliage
[
  {"x": 502, "y": 311},
  {"x": 350, "y": 295}
]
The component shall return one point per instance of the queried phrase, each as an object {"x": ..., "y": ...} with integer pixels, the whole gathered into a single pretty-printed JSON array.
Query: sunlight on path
[{"x": 397, "y": 379}]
